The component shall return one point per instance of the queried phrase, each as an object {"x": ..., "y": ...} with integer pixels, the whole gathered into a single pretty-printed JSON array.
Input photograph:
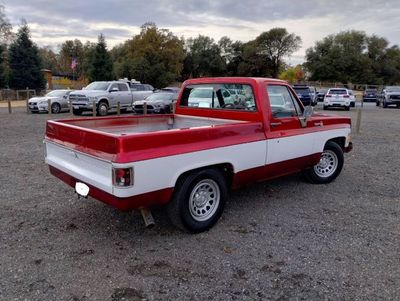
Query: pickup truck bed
[{"x": 87, "y": 150}]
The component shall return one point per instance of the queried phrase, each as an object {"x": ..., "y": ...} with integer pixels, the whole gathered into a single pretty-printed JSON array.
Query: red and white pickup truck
[{"x": 225, "y": 133}]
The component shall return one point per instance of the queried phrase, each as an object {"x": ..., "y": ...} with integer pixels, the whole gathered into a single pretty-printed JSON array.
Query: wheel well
[
  {"x": 225, "y": 168},
  {"x": 340, "y": 141},
  {"x": 103, "y": 100}
]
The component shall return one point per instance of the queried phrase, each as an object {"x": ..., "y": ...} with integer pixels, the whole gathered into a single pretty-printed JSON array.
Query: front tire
[
  {"x": 329, "y": 166},
  {"x": 55, "y": 108},
  {"x": 102, "y": 109},
  {"x": 198, "y": 201}
]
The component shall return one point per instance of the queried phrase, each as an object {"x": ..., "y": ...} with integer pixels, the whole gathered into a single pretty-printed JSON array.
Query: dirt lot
[{"x": 284, "y": 239}]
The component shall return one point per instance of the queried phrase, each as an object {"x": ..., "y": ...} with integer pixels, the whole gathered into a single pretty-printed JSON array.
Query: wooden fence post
[
  {"x": 9, "y": 101},
  {"x": 118, "y": 108},
  {"x": 145, "y": 108},
  {"x": 358, "y": 121},
  {"x": 27, "y": 100},
  {"x": 49, "y": 106},
  {"x": 94, "y": 108}
]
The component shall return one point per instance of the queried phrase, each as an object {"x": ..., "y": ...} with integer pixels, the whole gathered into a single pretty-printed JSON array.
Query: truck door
[
  {"x": 125, "y": 95},
  {"x": 289, "y": 140}
]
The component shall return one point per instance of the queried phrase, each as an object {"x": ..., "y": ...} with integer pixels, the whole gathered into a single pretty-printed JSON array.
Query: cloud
[{"x": 52, "y": 22}]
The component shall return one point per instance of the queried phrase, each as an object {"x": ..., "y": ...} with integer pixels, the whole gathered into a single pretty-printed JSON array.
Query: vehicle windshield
[
  {"x": 302, "y": 90},
  {"x": 103, "y": 86},
  {"x": 323, "y": 91},
  {"x": 370, "y": 91},
  {"x": 393, "y": 89},
  {"x": 202, "y": 93},
  {"x": 56, "y": 93},
  {"x": 159, "y": 96},
  {"x": 338, "y": 91},
  {"x": 217, "y": 96}
]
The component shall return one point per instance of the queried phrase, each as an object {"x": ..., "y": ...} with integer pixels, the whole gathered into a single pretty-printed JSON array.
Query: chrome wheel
[
  {"x": 204, "y": 200},
  {"x": 327, "y": 164},
  {"x": 103, "y": 109}
]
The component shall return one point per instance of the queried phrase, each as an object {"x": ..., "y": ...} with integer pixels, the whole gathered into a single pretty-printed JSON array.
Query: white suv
[{"x": 338, "y": 97}]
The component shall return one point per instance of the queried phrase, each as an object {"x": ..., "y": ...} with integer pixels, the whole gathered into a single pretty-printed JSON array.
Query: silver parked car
[{"x": 58, "y": 100}]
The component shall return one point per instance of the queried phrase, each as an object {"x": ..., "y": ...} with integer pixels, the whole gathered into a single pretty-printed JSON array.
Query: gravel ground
[{"x": 284, "y": 239}]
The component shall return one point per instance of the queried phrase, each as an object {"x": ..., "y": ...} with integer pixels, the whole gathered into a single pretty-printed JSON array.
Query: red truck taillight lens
[
  {"x": 123, "y": 177},
  {"x": 346, "y": 96}
]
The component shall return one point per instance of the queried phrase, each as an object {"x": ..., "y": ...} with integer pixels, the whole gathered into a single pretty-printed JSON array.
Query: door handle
[{"x": 275, "y": 124}]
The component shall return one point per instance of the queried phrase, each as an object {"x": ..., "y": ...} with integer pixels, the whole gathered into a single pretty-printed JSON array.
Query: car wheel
[
  {"x": 325, "y": 107},
  {"x": 347, "y": 108},
  {"x": 377, "y": 103},
  {"x": 102, "y": 109},
  {"x": 198, "y": 200},
  {"x": 55, "y": 108},
  {"x": 76, "y": 112},
  {"x": 329, "y": 166}
]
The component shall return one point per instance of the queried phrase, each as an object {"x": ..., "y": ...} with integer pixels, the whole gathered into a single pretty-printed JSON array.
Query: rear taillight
[
  {"x": 123, "y": 177},
  {"x": 328, "y": 95},
  {"x": 346, "y": 96}
]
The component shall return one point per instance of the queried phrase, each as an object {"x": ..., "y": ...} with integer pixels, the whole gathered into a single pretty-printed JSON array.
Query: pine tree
[
  {"x": 101, "y": 66},
  {"x": 25, "y": 62}
]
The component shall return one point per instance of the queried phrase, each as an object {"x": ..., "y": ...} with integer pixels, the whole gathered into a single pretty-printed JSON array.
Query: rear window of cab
[{"x": 239, "y": 97}]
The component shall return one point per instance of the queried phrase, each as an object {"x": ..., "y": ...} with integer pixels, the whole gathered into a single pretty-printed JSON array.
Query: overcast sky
[{"x": 52, "y": 22}]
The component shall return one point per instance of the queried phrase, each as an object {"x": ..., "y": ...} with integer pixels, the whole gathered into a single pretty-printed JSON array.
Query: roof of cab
[{"x": 238, "y": 80}]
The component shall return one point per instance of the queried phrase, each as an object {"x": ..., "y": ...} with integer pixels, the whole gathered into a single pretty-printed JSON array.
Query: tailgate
[{"x": 86, "y": 168}]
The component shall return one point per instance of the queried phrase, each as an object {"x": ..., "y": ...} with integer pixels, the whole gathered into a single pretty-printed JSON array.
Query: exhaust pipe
[{"x": 147, "y": 218}]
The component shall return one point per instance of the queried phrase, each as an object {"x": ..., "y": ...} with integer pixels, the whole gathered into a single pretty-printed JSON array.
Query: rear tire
[
  {"x": 198, "y": 200},
  {"x": 325, "y": 107},
  {"x": 329, "y": 166},
  {"x": 347, "y": 108}
]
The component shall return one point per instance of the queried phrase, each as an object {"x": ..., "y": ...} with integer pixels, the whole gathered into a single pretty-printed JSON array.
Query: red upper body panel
[{"x": 101, "y": 137}]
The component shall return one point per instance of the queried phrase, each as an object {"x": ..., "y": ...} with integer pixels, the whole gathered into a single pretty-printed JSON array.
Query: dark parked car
[
  {"x": 321, "y": 94},
  {"x": 159, "y": 102},
  {"x": 370, "y": 95},
  {"x": 304, "y": 94},
  {"x": 390, "y": 95}
]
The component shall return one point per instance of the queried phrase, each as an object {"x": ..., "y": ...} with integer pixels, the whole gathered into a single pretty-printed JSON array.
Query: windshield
[
  {"x": 56, "y": 93},
  {"x": 302, "y": 90},
  {"x": 98, "y": 86},
  {"x": 338, "y": 91},
  {"x": 159, "y": 96},
  {"x": 201, "y": 93},
  {"x": 393, "y": 89}
]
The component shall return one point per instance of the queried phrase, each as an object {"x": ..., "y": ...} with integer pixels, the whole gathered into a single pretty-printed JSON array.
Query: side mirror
[{"x": 114, "y": 90}]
